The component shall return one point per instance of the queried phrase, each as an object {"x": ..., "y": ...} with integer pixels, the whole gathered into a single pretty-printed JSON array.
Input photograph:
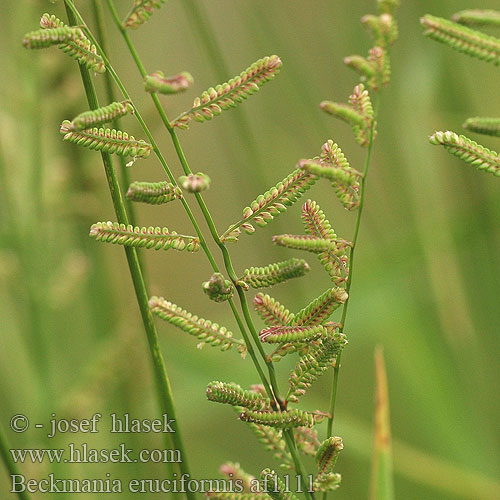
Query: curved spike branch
[{"x": 260, "y": 277}]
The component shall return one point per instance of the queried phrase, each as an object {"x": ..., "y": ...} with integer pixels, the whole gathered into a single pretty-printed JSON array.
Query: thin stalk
[
  {"x": 336, "y": 368},
  {"x": 164, "y": 390},
  {"x": 10, "y": 465}
]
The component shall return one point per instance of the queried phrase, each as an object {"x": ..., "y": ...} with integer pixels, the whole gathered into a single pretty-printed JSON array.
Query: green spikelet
[
  {"x": 361, "y": 65},
  {"x": 312, "y": 365},
  {"x": 158, "y": 238},
  {"x": 269, "y": 205},
  {"x": 383, "y": 28},
  {"x": 344, "y": 112},
  {"x": 304, "y": 242},
  {"x": 458, "y": 37},
  {"x": 326, "y": 458},
  {"x": 227, "y": 95},
  {"x": 478, "y": 17},
  {"x": 43, "y": 38},
  {"x": 79, "y": 48},
  {"x": 293, "y": 334},
  {"x": 379, "y": 57},
  {"x": 287, "y": 419},
  {"x": 215, "y": 495},
  {"x": 285, "y": 349},
  {"x": 106, "y": 140},
  {"x": 321, "y": 308},
  {"x": 105, "y": 114},
  {"x": 482, "y": 125},
  {"x": 260, "y": 277},
  {"x": 206, "y": 331},
  {"x": 274, "y": 486},
  {"x": 315, "y": 221},
  {"x": 195, "y": 183},
  {"x": 233, "y": 394},
  {"x": 469, "y": 151},
  {"x": 218, "y": 289},
  {"x": 141, "y": 11},
  {"x": 271, "y": 311},
  {"x": 273, "y": 441},
  {"x": 158, "y": 82},
  {"x": 153, "y": 193}
]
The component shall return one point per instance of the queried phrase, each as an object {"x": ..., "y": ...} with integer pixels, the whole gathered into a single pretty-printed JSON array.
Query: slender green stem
[
  {"x": 10, "y": 465},
  {"x": 164, "y": 390},
  {"x": 336, "y": 368}
]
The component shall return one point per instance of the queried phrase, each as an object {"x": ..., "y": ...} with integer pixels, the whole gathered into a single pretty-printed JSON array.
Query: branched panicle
[
  {"x": 99, "y": 116},
  {"x": 293, "y": 334},
  {"x": 158, "y": 82},
  {"x": 321, "y": 308},
  {"x": 218, "y": 288},
  {"x": 313, "y": 364},
  {"x": 233, "y": 394},
  {"x": 43, "y": 38},
  {"x": 227, "y": 95},
  {"x": 271, "y": 311},
  {"x": 79, "y": 48},
  {"x": 273, "y": 442},
  {"x": 483, "y": 125},
  {"x": 286, "y": 419},
  {"x": 153, "y": 193},
  {"x": 195, "y": 183},
  {"x": 158, "y": 238},
  {"x": 274, "y": 486},
  {"x": 206, "y": 331},
  {"x": 106, "y": 140},
  {"x": 458, "y": 37},
  {"x": 269, "y": 205},
  {"x": 469, "y": 151},
  {"x": 141, "y": 11},
  {"x": 486, "y": 17},
  {"x": 260, "y": 277}
]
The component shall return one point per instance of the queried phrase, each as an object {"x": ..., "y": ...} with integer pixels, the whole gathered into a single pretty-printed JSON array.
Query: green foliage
[
  {"x": 275, "y": 487},
  {"x": 321, "y": 308},
  {"x": 458, "y": 37},
  {"x": 482, "y": 125},
  {"x": 158, "y": 238},
  {"x": 218, "y": 289},
  {"x": 313, "y": 364},
  {"x": 286, "y": 419},
  {"x": 293, "y": 334},
  {"x": 478, "y": 17},
  {"x": 260, "y": 277},
  {"x": 269, "y": 205},
  {"x": 469, "y": 151},
  {"x": 106, "y": 140},
  {"x": 104, "y": 114},
  {"x": 227, "y": 95},
  {"x": 233, "y": 394},
  {"x": 158, "y": 82},
  {"x": 153, "y": 193},
  {"x": 271, "y": 311},
  {"x": 141, "y": 11},
  {"x": 203, "y": 329}
]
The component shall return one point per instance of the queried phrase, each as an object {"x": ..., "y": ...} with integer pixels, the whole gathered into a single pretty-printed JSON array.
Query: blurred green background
[{"x": 426, "y": 277}]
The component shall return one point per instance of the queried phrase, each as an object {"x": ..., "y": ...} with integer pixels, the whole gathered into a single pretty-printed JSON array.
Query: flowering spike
[
  {"x": 105, "y": 114},
  {"x": 194, "y": 183},
  {"x": 141, "y": 11},
  {"x": 227, "y": 95},
  {"x": 478, "y": 17},
  {"x": 361, "y": 65},
  {"x": 274, "y": 486},
  {"x": 307, "y": 441},
  {"x": 143, "y": 237},
  {"x": 458, "y": 37},
  {"x": 326, "y": 457},
  {"x": 320, "y": 309},
  {"x": 106, "y": 140},
  {"x": 206, "y": 331},
  {"x": 293, "y": 334},
  {"x": 327, "y": 482},
  {"x": 304, "y": 242},
  {"x": 273, "y": 442},
  {"x": 271, "y": 311},
  {"x": 158, "y": 82},
  {"x": 259, "y": 277},
  {"x": 218, "y": 289},
  {"x": 379, "y": 58},
  {"x": 482, "y": 125},
  {"x": 153, "y": 193},
  {"x": 469, "y": 151},
  {"x": 79, "y": 48},
  {"x": 344, "y": 112},
  {"x": 313, "y": 364},
  {"x": 269, "y": 205},
  {"x": 43, "y": 38},
  {"x": 233, "y": 394},
  {"x": 286, "y": 419}
]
